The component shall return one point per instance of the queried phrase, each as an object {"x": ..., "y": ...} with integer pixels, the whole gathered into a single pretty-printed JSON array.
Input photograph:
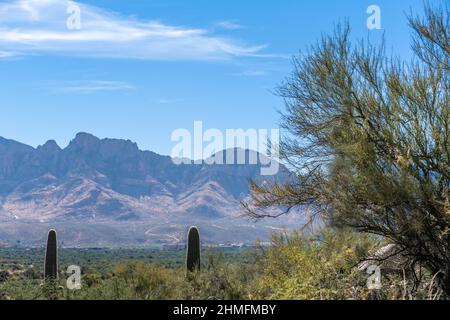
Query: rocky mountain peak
[
  {"x": 7, "y": 145},
  {"x": 50, "y": 146},
  {"x": 84, "y": 143},
  {"x": 84, "y": 138}
]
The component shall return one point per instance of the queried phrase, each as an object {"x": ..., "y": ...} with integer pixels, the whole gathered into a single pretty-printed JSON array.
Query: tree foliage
[{"x": 368, "y": 138}]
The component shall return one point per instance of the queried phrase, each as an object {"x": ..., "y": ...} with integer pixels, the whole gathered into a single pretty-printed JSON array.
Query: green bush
[{"x": 321, "y": 267}]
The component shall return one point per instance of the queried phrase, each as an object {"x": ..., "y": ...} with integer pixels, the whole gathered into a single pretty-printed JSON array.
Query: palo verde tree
[{"x": 368, "y": 138}]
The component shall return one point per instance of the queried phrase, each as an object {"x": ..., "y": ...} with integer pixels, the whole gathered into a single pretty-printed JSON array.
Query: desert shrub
[
  {"x": 325, "y": 266},
  {"x": 4, "y": 276},
  {"x": 51, "y": 290},
  {"x": 319, "y": 267},
  {"x": 153, "y": 282},
  {"x": 221, "y": 280},
  {"x": 91, "y": 279},
  {"x": 21, "y": 289}
]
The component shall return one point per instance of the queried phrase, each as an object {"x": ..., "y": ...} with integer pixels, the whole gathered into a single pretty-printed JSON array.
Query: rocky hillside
[{"x": 108, "y": 192}]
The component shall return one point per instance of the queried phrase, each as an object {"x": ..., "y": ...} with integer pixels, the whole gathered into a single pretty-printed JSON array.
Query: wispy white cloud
[
  {"x": 229, "y": 25},
  {"x": 90, "y": 86},
  {"x": 7, "y": 54},
  {"x": 40, "y": 27}
]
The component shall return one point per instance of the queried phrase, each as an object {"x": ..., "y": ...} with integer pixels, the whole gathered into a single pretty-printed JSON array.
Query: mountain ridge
[{"x": 111, "y": 183}]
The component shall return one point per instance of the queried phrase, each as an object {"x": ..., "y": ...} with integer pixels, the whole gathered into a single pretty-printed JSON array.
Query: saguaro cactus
[
  {"x": 51, "y": 257},
  {"x": 193, "y": 251}
]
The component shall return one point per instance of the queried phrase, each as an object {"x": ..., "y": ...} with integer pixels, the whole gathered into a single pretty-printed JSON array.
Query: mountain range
[{"x": 108, "y": 192}]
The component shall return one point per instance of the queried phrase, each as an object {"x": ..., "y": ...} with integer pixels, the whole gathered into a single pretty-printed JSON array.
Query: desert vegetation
[
  {"x": 294, "y": 266},
  {"x": 368, "y": 143}
]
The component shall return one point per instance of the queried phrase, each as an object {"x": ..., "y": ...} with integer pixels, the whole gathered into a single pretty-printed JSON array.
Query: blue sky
[{"x": 141, "y": 69}]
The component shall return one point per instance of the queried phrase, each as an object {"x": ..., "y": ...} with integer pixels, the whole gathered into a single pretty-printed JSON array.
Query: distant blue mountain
[{"x": 111, "y": 186}]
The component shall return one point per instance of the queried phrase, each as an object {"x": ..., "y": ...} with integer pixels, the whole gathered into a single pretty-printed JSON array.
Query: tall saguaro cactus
[
  {"x": 51, "y": 257},
  {"x": 193, "y": 251}
]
